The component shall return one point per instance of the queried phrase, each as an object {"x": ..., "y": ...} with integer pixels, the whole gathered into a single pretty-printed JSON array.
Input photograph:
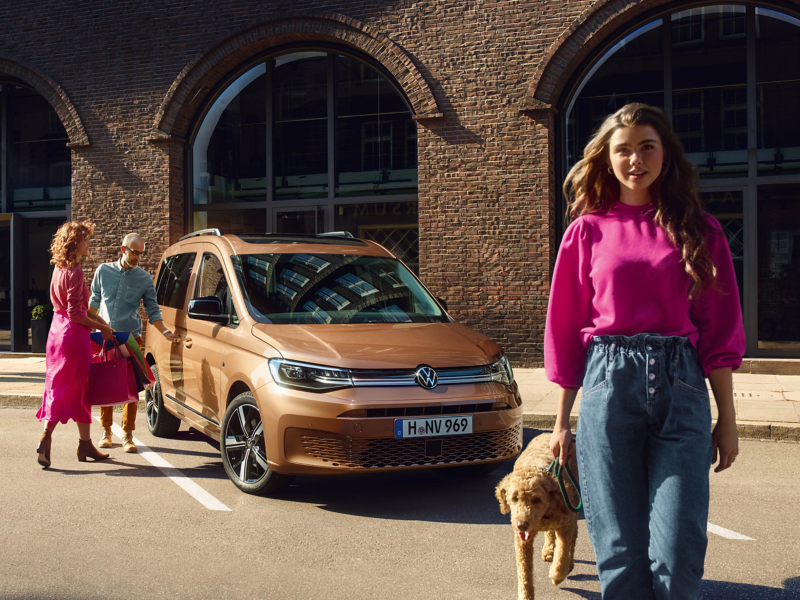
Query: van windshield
[{"x": 332, "y": 288}]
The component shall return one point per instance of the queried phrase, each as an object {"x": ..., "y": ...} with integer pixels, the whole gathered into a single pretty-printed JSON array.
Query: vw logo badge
[{"x": 426, "y": 377}]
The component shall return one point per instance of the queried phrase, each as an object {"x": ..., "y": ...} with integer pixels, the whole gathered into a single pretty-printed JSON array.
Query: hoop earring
[{"x": 610, "y": 171}]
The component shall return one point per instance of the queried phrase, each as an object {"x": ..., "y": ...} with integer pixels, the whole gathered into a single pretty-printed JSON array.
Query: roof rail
[
  {"x": 345, "y": 234},
  {"x": 214, "y": 231}
]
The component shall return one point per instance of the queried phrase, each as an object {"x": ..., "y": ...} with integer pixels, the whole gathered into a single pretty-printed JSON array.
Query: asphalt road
[{"x": 122, "y": 529}]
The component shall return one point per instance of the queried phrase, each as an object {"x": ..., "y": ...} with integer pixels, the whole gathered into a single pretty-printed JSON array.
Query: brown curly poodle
[{"x": 532, "y": 497}]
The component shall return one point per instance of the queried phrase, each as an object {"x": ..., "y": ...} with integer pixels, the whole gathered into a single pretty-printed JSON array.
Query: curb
[{"x": 751, "y": 430}]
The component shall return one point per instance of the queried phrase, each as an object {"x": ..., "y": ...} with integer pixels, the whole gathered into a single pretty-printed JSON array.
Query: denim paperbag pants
[{"x": 644, "y": 452}]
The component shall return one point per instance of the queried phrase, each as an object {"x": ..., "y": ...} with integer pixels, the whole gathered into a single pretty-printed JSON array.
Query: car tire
[
  {"x": 160, "y": 422},
  {"x": 243, "y": 449}
]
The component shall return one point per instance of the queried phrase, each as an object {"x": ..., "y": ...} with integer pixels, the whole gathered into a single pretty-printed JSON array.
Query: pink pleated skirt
[{"x": 69, "y": 355}]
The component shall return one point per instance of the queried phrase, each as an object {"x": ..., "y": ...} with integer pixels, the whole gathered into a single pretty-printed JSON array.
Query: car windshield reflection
[{"x": 332, "y": 289}]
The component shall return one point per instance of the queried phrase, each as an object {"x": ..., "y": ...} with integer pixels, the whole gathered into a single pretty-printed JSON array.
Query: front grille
[
  {"x": 377, "y": 453},
  {"x": 423, "y": 411}
]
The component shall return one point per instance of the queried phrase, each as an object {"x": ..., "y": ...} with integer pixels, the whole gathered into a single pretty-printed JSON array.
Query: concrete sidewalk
[{"x": 767, "y": 406}]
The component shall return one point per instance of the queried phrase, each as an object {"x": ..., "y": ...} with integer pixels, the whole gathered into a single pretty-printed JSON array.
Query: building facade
[{"x": 442, "y": 130}]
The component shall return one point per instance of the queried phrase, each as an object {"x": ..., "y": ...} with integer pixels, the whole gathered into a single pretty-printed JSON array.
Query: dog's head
[{"x": 531, "y": 497}]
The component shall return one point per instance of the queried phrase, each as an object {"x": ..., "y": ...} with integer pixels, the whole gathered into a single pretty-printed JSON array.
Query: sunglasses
[{"x": 135, "y": 252}]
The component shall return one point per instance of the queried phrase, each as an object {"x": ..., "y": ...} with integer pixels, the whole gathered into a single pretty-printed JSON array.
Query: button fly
[
  {"x": 652, "y": 361},
  {"x": 652, "y": 376}
]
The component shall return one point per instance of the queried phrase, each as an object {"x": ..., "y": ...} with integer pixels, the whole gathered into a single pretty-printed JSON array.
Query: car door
[
  {"x": 175, "y": 278},
  {"x": 204, "y": 347}
]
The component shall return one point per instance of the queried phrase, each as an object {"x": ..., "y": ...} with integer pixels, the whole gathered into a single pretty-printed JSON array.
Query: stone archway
[{"x": 50, "y": 91}]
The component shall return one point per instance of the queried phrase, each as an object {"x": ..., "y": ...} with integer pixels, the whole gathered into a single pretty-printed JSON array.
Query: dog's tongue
[{"x": 524, "y": 535}]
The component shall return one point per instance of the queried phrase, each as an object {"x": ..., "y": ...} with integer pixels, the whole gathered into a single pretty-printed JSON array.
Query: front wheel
[{"x": 243, "y": 449}]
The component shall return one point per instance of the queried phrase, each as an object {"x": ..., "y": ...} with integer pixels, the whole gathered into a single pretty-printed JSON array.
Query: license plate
[{"x": 432, "y": 426}]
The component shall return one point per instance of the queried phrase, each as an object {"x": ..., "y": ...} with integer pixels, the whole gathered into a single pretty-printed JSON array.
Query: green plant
[{"x": 41, "y": 312}]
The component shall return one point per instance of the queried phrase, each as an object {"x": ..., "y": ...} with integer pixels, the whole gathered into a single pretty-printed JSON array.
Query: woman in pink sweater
[{"x": 644, "y": 306}]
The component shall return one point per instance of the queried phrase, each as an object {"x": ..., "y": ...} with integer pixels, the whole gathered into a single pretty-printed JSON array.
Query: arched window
[
  {"x": 35, "y": 193},
  {"x": 305, "y": 142},
  {"x": 728, "y": 77}
]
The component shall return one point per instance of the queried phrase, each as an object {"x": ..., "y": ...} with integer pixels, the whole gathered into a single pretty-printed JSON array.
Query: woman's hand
[
  {"x": 561, "y": 443},
  {"x": 108, "y": 333},
  {"x": 726, "y": 444}
]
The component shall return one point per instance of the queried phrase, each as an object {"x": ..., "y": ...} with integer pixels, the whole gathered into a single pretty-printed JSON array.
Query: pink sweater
[
  {"x": 69, "y": 292},
  {"x": 618, "y": 274}
]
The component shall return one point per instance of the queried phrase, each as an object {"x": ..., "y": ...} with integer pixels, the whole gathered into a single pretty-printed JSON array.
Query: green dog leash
[{"x": 556, "y": 469}]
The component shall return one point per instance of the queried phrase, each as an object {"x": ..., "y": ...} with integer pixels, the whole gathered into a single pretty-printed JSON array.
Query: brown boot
[
  {"x": 43, "y": 449},
  {"x": 86, "y": 450},
  {"x": 105, "y": 441}
]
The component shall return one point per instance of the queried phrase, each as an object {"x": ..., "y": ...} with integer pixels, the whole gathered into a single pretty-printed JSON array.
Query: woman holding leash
[
  {"x": 69, "y": 351},
  {"x": 644, "y": 306}
]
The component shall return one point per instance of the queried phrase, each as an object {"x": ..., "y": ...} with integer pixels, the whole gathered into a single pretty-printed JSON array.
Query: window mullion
[
  {"x": 752, "y": 145},
  {"x": 269, "y": 141},
  {"x": 331, "y": 141},
  {"x": 667, "y": 33}
]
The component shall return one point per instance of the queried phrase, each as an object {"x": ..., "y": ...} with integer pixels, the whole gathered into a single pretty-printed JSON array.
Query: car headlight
[
  {"x": 311, "y": 378},
  {"x": 502, "y": 372}
]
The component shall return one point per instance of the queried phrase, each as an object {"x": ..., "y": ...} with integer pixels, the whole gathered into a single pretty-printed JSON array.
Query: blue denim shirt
[{"x": 118, "y": 294}]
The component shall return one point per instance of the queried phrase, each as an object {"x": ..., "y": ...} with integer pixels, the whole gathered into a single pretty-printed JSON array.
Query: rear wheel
[
  {"x": 160, "y": 422},
  {"x": 244, "y": 451}
]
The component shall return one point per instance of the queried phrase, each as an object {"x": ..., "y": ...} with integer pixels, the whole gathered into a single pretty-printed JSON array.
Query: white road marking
[
  {"x": 727, "y": 533},
  {"x": 189, "y": 486}
]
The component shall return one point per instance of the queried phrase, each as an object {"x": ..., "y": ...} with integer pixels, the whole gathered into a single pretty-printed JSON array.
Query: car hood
[{"x": 381, "y": 345}]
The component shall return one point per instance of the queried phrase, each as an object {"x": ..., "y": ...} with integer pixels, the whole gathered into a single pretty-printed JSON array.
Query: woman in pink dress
[{"x": 68, "y": 348}]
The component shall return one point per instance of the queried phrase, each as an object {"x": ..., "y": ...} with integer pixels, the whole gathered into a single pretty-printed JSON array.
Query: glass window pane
[
  {"x": 300, "y": 132},
  {"x": 300, "y": 221},
  {"x": 709, "y": 80},
  {"x": 40, "y": 164},
  {"x": 230, "y": 150},
  {"x": 728, "y": 208},
  {"x": 5, "y": 283},
  {"x": 173, "y": 280},
  {"x": 393, "y": 225},
  {"x": 779, "y": 267},
  {"x": 376, "y": 137},
  {"x": 778, "y": 92},
  {"x": 632, "y": 71},
  {"x": 232, "y": 221}
]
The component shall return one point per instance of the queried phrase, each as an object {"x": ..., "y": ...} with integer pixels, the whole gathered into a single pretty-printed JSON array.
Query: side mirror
[
  {"x": 442, "y": 303},
  {"x": 208, "y": 308}
]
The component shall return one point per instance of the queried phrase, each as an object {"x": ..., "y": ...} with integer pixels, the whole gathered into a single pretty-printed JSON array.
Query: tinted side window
[
  {"x": 212, "y": 282},
  {"x": 173, "y": 280}
]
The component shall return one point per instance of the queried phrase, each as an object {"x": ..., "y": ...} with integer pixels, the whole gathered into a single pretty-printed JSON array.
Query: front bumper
[{"x": 310, "y": 433}]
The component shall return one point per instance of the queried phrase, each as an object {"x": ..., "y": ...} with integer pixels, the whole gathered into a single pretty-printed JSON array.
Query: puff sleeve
[
  {"x": 570, "y": 308},
  {"x": 717, "y": 313}
]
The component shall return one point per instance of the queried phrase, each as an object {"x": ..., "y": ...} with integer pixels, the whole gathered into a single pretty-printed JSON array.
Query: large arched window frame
[
  {"x": 732, "y": 118},
  {"x": 360, "y": 176}
]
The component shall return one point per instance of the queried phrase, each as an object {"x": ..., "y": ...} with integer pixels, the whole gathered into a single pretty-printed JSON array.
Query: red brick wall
[{"x": 486, "y": 170}]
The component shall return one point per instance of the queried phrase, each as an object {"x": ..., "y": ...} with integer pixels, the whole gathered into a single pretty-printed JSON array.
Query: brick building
[{"x": 441, "y": 129}]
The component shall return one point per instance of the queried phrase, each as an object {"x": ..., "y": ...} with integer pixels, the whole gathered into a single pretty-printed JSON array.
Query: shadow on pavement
[
  {"x": 121, "y": 469},
  {"x": 420, "y": 495},
  {"x": 724, "y": 590}
]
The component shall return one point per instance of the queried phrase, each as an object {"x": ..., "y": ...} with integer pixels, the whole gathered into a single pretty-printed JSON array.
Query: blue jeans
[{"x": 644, "y": 453}]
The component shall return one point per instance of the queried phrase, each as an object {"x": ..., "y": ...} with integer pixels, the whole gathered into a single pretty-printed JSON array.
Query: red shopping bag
[{"x": 112, "y": 380}]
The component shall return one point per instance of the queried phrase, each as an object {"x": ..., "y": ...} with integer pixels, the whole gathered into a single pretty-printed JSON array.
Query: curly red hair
[{"x": 66, "y": 240}]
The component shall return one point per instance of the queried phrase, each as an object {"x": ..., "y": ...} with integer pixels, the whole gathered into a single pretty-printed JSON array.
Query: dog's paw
[
  {"x": 557, "y": 576},
  {"x": 547, "y": 554}
]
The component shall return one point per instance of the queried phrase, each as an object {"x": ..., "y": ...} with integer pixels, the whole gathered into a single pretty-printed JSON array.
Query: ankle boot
[
  {"x": 86, "y": 450},
  {"x": 43, "y": 449}
]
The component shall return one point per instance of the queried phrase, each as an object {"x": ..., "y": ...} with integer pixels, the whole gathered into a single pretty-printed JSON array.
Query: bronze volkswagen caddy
[{"x": 312, "y": 354}]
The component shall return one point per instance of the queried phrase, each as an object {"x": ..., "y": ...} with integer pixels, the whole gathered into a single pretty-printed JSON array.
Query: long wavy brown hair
[
  {"x": 591, "y": 188},
  {"x": 65, "y": 242}
]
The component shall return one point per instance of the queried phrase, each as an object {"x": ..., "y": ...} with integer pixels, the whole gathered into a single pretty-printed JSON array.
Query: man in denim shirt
[{"x": 118, "y": 289}]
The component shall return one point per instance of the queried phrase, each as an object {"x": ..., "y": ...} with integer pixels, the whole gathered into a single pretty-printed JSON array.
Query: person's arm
[
  {"x": 561, "y": 439},
  {"x": 94, "y": 313},
  {"x": 75, "y": 287},
  {"x": 172, "y": 337},
  {"x": 725, "y": 437},
  {"x": 150, "y": 301}
]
